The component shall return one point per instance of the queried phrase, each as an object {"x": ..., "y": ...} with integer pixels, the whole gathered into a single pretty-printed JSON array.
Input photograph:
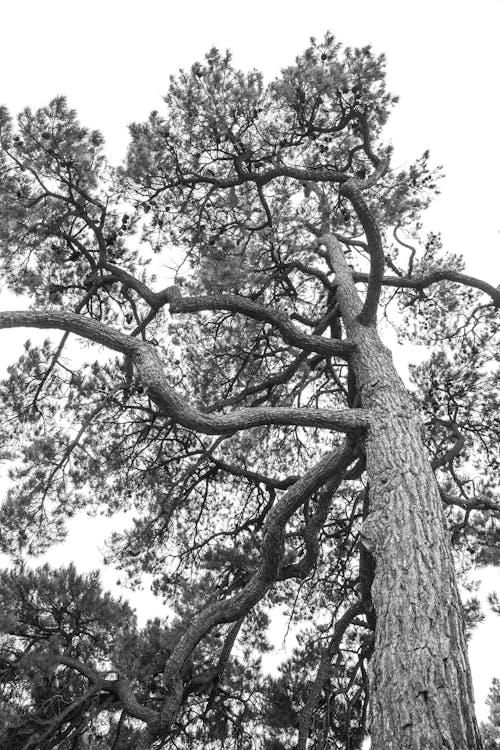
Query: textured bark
[{"x": 420, "y": 685}]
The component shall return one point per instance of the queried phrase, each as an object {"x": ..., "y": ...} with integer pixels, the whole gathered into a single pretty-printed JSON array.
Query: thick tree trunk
[{"x": 420, "y": 685}]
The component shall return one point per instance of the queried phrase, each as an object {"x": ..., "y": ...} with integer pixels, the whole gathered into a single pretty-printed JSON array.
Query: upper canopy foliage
[{"x": 228, "y": 194}]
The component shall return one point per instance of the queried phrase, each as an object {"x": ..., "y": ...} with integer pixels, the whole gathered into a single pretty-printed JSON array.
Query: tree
[{"x": 251, "y": 417}]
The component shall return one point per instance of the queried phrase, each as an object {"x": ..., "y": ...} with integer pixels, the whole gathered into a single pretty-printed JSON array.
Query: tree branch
[
  {"x": 322, "y": 674},
  {"x": 252, "y": 476},
  {"x": 81, "y": 702},
  {"x": 87, "y": 328},
  {"x": 242, "y": 305},
  {"x": 311, "y": 531},
  {"x": 368, "y": 314},
  {"x": 456, "y": 448},
  {"x": 316, "y": 174},
  {"x": 229, "y": 610},
  {"x": 150, "y": 370},
  {"x": 119, "y": 687},
  {"x": 422, "y": 282}
]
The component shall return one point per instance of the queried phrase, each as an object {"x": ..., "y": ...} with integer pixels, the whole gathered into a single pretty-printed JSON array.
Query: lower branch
[
  {"x": 229, "y": 610},
  {"x": 119, "y": 687},
  {"x": 311, "y": 532},
  {"x": 151, "y": 374},
  {"x": 323, "y": 670}
]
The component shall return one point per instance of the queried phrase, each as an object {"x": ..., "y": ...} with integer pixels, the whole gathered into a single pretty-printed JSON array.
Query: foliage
[{"x": 491, "y": 729}]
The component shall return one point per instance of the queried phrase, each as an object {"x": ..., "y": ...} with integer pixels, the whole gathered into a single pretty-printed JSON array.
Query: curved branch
[
  {"x": 409, "y": 247},
  {"x": 368, "y": 314},
  {"x": 237, "y": 304},
  {"x": 229, "y": 610},
  {"x": 118, "y": 687},
  {"x": 422, "y": 282},
  {"x": 311, "y": 531},
  {"x": 310, "y": 271},
  {"x": 312, "y": 174},
  {"x": 87, "y": 328},
  {"x": 365, "y": 131},
  {"x": 469, "y": 505},
  {"x": 154, "y": 299},
  {"x": 456, "y": 448},
  {"x": 242, "y": 305},
  {"x": 253, "y": 476},
  {"x": 150, "y": 370}
]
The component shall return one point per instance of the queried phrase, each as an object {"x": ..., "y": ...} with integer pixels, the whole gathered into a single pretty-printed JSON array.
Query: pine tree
[{"x": 249, "y": 416}]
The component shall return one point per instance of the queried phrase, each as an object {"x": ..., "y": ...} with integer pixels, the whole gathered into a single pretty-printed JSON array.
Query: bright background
[{"x": 112, "y": 58}]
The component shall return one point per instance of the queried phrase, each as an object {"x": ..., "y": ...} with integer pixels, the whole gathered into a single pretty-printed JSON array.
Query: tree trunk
[{"x": 420, "y": 685}]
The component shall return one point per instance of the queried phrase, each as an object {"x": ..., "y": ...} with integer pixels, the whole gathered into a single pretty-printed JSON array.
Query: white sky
[{"x": 112, "y": 58}]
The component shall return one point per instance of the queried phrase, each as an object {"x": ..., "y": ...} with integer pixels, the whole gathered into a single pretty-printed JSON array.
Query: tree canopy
[{"x": 230, "y": 276}]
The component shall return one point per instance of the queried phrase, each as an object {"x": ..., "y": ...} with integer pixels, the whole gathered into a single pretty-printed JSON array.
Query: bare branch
[
  {"x": 253, "y": 476},
  {"x": 68, "y": 321},
  {"x": 311, "y": 531},
  {"x": 316, "y": 174},
  {"x": 456, "y": 448},
  {"x": 422, "y": 282}
]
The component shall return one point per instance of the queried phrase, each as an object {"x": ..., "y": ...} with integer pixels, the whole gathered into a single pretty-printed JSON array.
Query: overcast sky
[{"x": 112, "y": 58}]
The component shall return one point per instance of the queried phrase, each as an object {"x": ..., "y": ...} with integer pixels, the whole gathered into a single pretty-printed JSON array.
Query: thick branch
[
  {"x": 456, "y": 448},
  {"x": 154, "y": 299},
  {"x": 68, "y": 321},
  {"x": 150, "y": 370},
  {"x": 313, "y": 174},
  {"x": 368, "y": 314},
  {"x": 292, "y": 335},
  {"x": 474, "y": 503},
  {"x": 118, "y": 687},
  {"x": 229, "y": 610}
]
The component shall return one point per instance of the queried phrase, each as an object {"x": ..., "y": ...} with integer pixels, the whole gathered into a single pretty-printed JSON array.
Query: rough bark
[{"x": 420, "y": 684}]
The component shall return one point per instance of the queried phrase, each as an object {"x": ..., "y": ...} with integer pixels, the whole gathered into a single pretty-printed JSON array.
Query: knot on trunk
[{"x": 373, "y": 531}]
